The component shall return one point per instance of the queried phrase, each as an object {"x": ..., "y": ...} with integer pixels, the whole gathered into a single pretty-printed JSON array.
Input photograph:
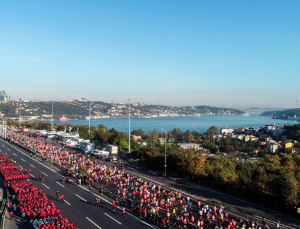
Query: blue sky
[{"x": 219, "y": 53}]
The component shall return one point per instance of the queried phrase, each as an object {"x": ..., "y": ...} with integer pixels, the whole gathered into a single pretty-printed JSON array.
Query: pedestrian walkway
[{"x": 16, "y": 222}]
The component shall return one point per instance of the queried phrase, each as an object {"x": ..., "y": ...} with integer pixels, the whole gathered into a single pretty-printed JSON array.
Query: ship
[
  {"x": 246, "y": 114},
  {"x": 63, "y": 119}
]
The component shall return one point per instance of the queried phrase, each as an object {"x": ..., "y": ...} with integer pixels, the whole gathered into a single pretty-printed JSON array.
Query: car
[
  {"x": 96, "y": 154},
  {"x": 112, "y": 158}
]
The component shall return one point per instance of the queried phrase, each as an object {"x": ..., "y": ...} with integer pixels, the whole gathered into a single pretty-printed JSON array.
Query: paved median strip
[
  {"x": 93, "y": 222},
  {"x": 81, "y": 198},
  {"x": 112, "y": 218},
  {"x": 45, "y": 185},
  {"x": 60, "y": 184}
]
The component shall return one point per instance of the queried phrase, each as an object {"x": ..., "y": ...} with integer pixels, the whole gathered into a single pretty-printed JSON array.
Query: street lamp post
[
  {"x": 165, "y": 152},
  {"x": 90, "y": 120},
  {"x": 52, "y": 118},
  {"x": 129, "y": 125},
  {"x": 20, "y": 115}
]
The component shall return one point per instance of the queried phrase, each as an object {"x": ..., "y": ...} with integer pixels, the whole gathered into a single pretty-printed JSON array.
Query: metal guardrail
[
  {"x": 2, "y": 213},
  {"x": 111, "y": 195},
  {"x": 2, "y": 206},
  {"x": 249, "y": 213}
]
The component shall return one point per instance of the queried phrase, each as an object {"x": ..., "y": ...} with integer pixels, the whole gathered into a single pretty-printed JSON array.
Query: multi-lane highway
[
  {"x": 79, "y": 201},
  {"x": 239, "y": 208}
]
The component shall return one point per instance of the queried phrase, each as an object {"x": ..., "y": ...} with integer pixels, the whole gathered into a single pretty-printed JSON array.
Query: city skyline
[{"x": 216, "y": 53}]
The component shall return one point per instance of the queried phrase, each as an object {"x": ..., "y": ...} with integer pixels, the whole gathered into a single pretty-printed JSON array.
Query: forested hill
[
  {"x": 79, "y": 109},
  {"x": 282, "y": 114}
]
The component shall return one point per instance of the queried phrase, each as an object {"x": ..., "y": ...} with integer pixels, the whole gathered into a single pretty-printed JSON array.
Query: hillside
[
  {"x": 75, "y": 109},
  {"x": 282, "y": 114}
]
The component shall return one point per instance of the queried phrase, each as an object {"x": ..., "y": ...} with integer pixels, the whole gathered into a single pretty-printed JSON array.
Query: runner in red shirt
[{"x": 113, "y": 205}]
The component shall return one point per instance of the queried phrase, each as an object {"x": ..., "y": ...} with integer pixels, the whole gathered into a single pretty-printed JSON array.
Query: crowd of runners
[
  {"x": 165, "y": 207},
  {"x": 29, "y": 202}
]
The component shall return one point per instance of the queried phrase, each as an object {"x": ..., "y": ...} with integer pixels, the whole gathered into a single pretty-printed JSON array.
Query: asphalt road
[
  {"x": 79, "y": 201},
  {"x": 79, "y": 206},
  {"x": 255, "y": 211}
]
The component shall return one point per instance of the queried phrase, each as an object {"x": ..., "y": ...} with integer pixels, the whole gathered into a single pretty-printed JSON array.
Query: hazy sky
[{"x": 219, "y": 53}]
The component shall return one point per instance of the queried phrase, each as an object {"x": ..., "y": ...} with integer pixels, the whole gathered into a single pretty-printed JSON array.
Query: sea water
[{"x": 199, "y": 124}]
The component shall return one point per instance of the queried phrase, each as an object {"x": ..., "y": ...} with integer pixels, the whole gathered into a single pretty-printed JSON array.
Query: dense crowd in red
[{"x": 30, "y": 202}]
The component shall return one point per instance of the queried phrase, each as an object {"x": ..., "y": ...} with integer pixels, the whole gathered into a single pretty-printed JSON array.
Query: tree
[
  {"x": 102, "y": 134},
  {"x": 118, "y": 139},
  {"x": 197, "y": 166},
  {"x": 190, "y": 137},
  {"x": 271, "y": 163},
  {"x": 177, "y": 135},
  {"x": 138, "y": 132},
  {"x": 289, "y": 187},
  {"x": 212, "y": 131},
  {"x": 222, "y": 170},
  {"x": 227, "y": 148},
  {"x": 153, "y": 136}
]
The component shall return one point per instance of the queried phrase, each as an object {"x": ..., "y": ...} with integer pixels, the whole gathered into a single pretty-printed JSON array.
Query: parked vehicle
[
  {"x": 112, "y": 158},
  {"x": 96, "y": 153}
]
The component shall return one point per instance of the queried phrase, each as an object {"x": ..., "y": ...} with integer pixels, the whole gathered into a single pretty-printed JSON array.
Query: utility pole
[
  {"x": 129, "y": 126},
  {"x": 5, "y": 130},
  {"x": 20, "y": 114},
  {"x": 165, "y": 152},
  {"x": 90, "y": 120},
  {"x": 52, "y": 118}
]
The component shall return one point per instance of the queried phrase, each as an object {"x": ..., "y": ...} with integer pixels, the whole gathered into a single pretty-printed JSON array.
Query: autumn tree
[
  {"x": 212, "y": 131},
  {"x": 197, "y": 166},
  {"x": 102, "y": 134}
]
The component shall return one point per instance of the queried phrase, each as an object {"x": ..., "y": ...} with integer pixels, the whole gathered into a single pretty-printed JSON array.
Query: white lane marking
[
  {"x": 45, "y": 185},
  {"x": 93, "y": 222},
  {"x": 67, "y": 202},
  {"x": 83, "y": 188},
  {"x": 22, "y": 159},
  {"x": 31, "y": 174},
  {"x": 149, "y": 225},
  {"x": 113, "y": 218},
  {"x": 31, "y": 165},
  {"x": 44, "y": 174},
  {"x": 81, "y": 198},
  {"x": 35, "y": 161},
  {"x": 60, "y": 184},
  {"x": 8, "y": 149}
]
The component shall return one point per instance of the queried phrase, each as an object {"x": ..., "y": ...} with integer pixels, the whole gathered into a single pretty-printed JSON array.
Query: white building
[
  {"x": 225, "y": 131},
  {"x": 193, "y": 146},
  {"x": 273, "y": 129}
]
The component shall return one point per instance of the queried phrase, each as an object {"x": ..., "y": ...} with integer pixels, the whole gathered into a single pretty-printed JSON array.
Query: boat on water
[
  {"x": 63, "y": 119},
  {"x": 246, "y": 114}
]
